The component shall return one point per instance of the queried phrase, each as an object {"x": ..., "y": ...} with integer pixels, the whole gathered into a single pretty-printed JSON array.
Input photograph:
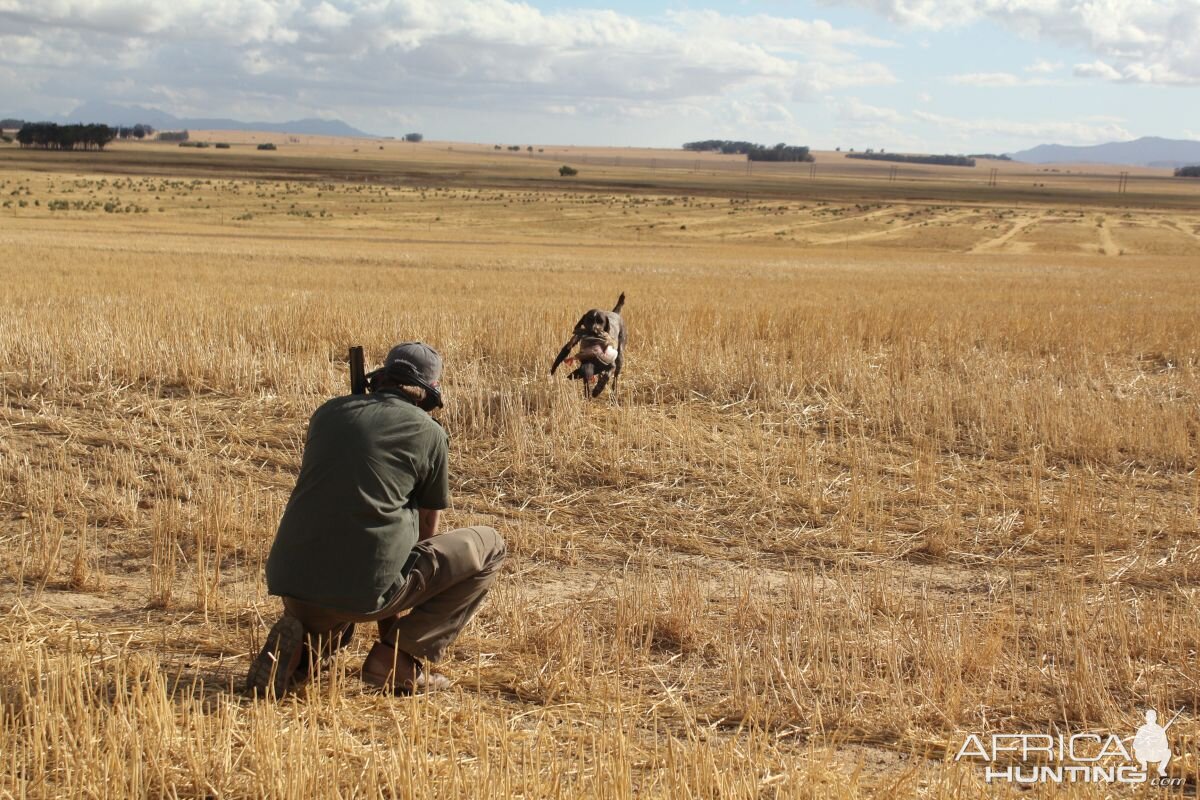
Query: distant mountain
[
  {"x": 110, "y": 114},
  {"x": 1149, "y": 151}
]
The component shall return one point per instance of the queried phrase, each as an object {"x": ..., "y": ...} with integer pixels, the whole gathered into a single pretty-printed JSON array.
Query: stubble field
[{"x": 881, "y": 472}]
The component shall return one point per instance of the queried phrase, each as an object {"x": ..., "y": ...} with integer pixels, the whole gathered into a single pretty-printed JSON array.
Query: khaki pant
[{"x": 447, "y": 578}]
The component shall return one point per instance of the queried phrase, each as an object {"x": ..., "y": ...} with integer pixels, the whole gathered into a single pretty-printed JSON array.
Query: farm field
[{"x": 892, "y": 462}]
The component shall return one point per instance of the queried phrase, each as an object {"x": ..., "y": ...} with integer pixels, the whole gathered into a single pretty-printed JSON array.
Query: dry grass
[{"x": 863, "y": 492}]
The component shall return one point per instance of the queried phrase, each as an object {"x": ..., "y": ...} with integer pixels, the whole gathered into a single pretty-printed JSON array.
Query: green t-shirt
[{"x": 369, "y": 463}]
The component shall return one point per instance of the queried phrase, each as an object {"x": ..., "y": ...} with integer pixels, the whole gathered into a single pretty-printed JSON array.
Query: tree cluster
[
  {"x": 138, "y": 131},
  {"x": 1187, "y": 172},
  {"x": 173, "y": 136},
  {"x": 943, "y": 161},
  {"x": 52, "y": 136},
  {"x": 754, "y": 152},
  {"x": 8, "y": 123},
  {"x": 413, "y": 137},
  {"x": 992, "y": 156}
]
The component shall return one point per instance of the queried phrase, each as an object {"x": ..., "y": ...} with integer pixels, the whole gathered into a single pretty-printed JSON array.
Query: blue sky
[{"x": 916, "y": 75}]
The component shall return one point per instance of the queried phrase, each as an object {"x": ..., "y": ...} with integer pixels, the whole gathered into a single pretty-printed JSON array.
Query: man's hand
[{"x": 428, "y": 523}]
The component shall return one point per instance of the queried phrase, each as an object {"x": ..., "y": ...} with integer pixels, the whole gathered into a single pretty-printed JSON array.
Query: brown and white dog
[{"x": 601, "y": 339}]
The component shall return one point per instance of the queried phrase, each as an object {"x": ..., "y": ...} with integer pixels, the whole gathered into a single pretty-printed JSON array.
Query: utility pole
[
  {"x": 1122, "y": 183},
  {"x": 992, "y": 177}
]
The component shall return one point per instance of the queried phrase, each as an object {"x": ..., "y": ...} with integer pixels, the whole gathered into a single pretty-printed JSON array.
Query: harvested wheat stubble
[{"x": 908, "y": 494}]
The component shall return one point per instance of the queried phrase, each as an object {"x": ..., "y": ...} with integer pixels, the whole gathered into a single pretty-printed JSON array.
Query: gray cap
[{"x": 422, "y": 359}]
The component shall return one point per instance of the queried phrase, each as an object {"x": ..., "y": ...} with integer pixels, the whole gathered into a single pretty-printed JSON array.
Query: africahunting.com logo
[{"x": 1028, "y": 758}]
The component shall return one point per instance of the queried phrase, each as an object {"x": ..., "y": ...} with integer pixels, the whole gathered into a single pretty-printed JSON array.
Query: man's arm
[
  {"x": 428, "y": 521},
  {"x": 433, "y": 489}
]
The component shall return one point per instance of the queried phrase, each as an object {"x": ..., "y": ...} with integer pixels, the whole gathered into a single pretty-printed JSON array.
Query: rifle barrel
[{"x": 358, "y": 375}]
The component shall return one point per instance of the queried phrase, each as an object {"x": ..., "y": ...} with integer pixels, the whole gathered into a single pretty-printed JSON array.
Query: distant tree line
[
  {"x": 138, "y": 131},
  {"x": 173, "y": 136},
  {"x": 1187, "y": 172},
  {"x": 413, "y": 137},
  {"x": 52, "y": 136},
  {"x": 754, "y": 152},
  {"x": 944, "y": 161},
  {"x": 992, "y": 156},
  {"x": 516, "y": 148}
]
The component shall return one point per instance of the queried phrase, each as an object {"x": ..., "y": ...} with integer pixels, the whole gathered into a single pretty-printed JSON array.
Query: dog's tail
[{"x": 620, "y": 304}]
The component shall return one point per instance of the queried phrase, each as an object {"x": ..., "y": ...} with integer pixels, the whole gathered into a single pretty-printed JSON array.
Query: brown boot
[
  {"x": 394, "y": 670},
  {"x": 272, "y": 670},
  {"x": 319, "y": 651}
]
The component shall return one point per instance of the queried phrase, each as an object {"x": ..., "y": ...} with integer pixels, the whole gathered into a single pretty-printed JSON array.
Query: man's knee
[
  {"x": 492, "y": 549},
  {"x": 467, "y": 551}
]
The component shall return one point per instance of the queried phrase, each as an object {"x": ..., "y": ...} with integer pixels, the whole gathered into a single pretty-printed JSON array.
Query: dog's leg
[
  {"x": 620, "y": 361},
  {"x": 620, "y": 303},
  {"x": 587, "y": 371},
  {"x": 600, "y": 384}
]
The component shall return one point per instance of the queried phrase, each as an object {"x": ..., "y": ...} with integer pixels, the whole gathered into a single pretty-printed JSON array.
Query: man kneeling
[{"x": 357, "y": 540}]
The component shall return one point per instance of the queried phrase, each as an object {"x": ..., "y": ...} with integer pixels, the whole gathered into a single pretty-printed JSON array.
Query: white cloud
[
  {"x": 851, "y": 109},
  {"x": 998, "y": 79},
  {"x": 467, "y": 54},
  {"x": 774, "y": 33},
  {"x": 1044, "y": 67},
  {"x": 1097, "y": 69},
  {"x": 232, "y": 21},
  {"x": 256, "y": 63},
  {"x": 822, "y": 77},
  {"x": 861, "y": 125},
  {"x": 329, "y": 16},
  {"x": 986, "y": 79},
  {"x": 1070, "y": 132},
  {"x": 931, "y": 14},
  {"x": 24, "y": 50},
  {"x": 1145, "y": 41},
  {"x": 861, "y": 135}
]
